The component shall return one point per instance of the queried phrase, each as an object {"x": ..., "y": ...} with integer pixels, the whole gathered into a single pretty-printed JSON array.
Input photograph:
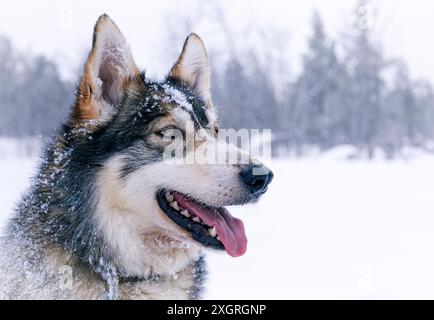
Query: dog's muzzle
[{"x": 256, "y": 178}]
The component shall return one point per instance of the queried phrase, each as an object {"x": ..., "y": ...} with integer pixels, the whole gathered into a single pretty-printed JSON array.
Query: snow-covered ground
[
  {"x": 326, "y": 229},
  {"x": 15, "y": 173}
]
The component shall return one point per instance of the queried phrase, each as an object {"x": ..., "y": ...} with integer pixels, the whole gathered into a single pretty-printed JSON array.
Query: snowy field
[{"x": 326, "y": 229}]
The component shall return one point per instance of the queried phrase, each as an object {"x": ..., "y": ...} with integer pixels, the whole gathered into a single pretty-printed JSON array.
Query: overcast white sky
[{"x": 62, "y": 28}]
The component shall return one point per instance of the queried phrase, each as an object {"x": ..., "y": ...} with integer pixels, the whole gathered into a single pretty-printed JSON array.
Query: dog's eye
[{"x": 169, "y": 132}]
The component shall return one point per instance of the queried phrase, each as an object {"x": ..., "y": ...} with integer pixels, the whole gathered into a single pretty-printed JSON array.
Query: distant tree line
[
  {"x": 336, "y": 99},
  {"x": 351, "y": 96},
  {"x": 33, "y": 97}
]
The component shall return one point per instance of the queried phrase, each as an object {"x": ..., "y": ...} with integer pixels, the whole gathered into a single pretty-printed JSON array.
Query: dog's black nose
[{"x": 257, "y": 178}]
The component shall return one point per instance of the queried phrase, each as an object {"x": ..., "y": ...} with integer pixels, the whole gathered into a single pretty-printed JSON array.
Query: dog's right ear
[
  {"x": 108, "y": 66},
  {"x": 192, "y": 67}
]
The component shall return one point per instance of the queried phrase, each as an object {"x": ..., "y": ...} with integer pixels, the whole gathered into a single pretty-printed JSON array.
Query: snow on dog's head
[{"x": 125, "y": 124}]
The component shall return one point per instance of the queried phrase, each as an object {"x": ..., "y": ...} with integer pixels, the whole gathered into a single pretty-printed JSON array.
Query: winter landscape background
[{"x": 345, "y": 86}]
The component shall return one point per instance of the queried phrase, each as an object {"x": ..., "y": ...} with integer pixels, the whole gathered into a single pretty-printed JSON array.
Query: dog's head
[{"x": 141, "y": 135}]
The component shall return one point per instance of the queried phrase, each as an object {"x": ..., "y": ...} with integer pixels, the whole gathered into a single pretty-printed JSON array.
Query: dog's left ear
[
  {"x": 108, "y": 66},
  {"x": 192, "y": 67}
]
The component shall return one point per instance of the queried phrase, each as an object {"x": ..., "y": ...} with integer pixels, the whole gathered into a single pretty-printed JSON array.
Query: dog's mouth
[{"x": 213, "y": 227}]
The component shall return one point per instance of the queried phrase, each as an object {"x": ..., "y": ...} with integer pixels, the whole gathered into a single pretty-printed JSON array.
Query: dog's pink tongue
[{"x": 230, "y": 230}]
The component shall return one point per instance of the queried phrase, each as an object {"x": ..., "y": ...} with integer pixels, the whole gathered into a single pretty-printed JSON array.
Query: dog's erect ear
[
  {"x": 192, "y": 67},
  {"x": 109, "y": 64}
]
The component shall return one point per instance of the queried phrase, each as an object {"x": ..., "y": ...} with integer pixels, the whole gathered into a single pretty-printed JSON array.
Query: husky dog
[{"x": 107, "y": 217}]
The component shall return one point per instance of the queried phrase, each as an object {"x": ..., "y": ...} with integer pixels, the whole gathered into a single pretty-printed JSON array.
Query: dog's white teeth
[
  {"x": 197, "y": 219},
  {"x": 218, "y": 238},
  {"x": 212, "y": 232},
  {"x": 169, "y": 197},
  {"x": 185, "y": 213},
  {"x": 175, "y": 205}
]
